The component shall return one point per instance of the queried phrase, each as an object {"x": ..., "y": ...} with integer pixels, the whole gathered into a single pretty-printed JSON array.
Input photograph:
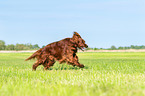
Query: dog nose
[{"x": 86, "y": 46}]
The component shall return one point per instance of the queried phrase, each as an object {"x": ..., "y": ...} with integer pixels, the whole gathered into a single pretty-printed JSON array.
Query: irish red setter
[{"x": 64, "y": 51}]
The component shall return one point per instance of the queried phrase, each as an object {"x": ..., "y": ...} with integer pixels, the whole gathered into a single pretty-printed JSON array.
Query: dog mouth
[{"x": 82, "y": 48}]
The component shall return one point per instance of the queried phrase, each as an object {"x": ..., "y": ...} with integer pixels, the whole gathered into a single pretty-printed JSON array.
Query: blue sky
[{"x": 101, "y": 23}]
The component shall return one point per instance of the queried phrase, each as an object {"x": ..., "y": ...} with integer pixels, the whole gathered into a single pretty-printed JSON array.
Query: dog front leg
[{"x": 73, "y": 60}]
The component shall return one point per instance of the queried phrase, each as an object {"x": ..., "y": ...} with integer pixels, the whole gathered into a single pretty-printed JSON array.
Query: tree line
[
  {"x": 28, "y": 46},
  {"x": 119, "y": 48},
  {"x": 17, "y": 46},
  {"x": 129, "y": 47}
]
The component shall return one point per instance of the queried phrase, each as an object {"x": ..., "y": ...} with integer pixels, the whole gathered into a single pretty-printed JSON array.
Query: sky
[{"x": 101, "y": 23}]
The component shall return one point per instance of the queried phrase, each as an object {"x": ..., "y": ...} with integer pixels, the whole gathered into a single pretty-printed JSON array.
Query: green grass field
[{"x": 105, "y": 74}]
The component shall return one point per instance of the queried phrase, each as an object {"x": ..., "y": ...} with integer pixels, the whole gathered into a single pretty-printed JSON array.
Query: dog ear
[
  {"x": 75, "y": 37},
  {"x": 75, "y": 33}
]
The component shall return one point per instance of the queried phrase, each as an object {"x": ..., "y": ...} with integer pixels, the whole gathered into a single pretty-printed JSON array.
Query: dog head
[{"x": 80, "y": 43}]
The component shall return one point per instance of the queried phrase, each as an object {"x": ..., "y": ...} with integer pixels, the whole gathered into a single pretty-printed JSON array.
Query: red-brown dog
[{"x": 64, "y": 51}]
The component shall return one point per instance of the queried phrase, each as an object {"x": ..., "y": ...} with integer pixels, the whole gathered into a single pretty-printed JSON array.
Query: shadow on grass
[{"x": 68, "y": 68}]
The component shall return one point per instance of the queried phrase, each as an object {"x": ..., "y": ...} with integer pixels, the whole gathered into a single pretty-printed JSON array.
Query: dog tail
[
  {"x": 31, "y": 57},
  {"x": 37, "y": 53}
]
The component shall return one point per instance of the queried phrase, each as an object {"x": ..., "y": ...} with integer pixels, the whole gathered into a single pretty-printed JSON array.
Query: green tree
[
  {"x": 142, "y": 47},
  {"x": 132, "y": 47},
  {"x": 89, "y": 48},
  {"x": 43, "y": 46},
  {"x": 36, "y": 46},
  {"x": 113, "y": 47},
  {"x": 2, "y": 45},
  {"x": 95, "y": 48},
  {"x": 19, "y": 47},
  {"x": 10, "y": 47},
  {"x": 28, "y": 46},
  {"x": 120, "y": 47}
]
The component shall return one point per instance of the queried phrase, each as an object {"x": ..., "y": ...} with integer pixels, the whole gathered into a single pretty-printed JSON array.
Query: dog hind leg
[{"x": 48, "y": 64}]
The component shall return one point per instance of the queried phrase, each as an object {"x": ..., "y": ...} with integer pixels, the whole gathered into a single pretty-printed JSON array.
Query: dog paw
[{"x": 81, "y": 66}]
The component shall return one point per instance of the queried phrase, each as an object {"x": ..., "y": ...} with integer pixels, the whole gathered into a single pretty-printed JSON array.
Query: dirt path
[
  {"x": 128, "y": 50},
  {"x": 17, "y": 51}
]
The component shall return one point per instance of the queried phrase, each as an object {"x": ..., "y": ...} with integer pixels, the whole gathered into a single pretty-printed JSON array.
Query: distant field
[{"x": 105, "y": 74}]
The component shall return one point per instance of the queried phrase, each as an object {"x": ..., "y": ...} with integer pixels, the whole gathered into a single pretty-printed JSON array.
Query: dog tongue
[{"x": 82, "y": 49}]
